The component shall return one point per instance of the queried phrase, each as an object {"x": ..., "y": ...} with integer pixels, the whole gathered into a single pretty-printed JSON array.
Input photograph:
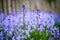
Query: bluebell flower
[
  {"x": 51, "y": 39},
  {"x": 30, "y": 19},
  {"x": 27, "y": 33},
  {"x": 19, "y": 19},
  {"x": 1, "y": 36},
  {"x": 2, "y": 16},
  {"x": 55, "y": 32},
  {"x": 13, "y": 38},
  {"x": 9, "y": 24},
  {"x": 23, "y": 37},
  {"x": 17, "y": 38},
  {"x": 41, "y": 28},
  {"x": 38, "y": 11}
]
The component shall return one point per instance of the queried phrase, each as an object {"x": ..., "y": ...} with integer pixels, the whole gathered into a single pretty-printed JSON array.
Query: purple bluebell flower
[
  {"x": 2, "y": 16},
  {"x": 55, "y": 32},
  {"x": 19, "y": 19},
  {"x": 51, "y": 38},
  {"x": 9, "y": 24},
  {"x": 17, "y": 38},
  {"x": 23, "y": 37},
  {"x": 29, "y": 20},
  {"x": 1, "y": 36},
  {"x": 38, "y": 11},
  {"x": 27, "y": 33},
  {"x": 13, "y": 38},
  {"x": 45, "y": 19},
  {"x": 41, "y": 28}
]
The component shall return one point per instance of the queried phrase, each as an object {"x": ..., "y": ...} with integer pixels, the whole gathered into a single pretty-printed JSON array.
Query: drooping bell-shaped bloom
[
  {"x": 16, "y": 38},
  {"x": 9, "y": 23},
  {"x": 1, "y": 36},
  {"x": 51, "y": 38},
  {"x": 55, "y": 32},
  {"x": 45, "y": 20},
  {"x": 2, "y": 16},
  {"x": 19, "y": 19}
]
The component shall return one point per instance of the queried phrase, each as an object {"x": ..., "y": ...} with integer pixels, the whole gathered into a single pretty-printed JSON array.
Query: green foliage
[
  {"x": 36, "y": 35},
  {"x": 57, "y": 25}
]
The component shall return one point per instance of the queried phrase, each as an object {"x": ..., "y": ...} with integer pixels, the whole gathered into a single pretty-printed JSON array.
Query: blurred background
[{"x": 16, "y": 5}]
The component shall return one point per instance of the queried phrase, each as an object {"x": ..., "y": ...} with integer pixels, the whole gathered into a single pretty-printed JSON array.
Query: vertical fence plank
[
  {"x": 13, "y": 5},
  {"x": 16, "y": 5},
  {"x": 32, "y": 5},
  {"x": 37, "y": 5},
  {"x": 1, "y": 5},
  {"x": 4, "y": 3},
  {"x": 9, "y": 5},
  {"x": 19, "y": 5}
]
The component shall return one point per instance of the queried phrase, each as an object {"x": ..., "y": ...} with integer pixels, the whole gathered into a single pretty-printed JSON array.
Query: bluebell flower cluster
[
  {"x": 2, "y": 16},
  {"x": 20, "y": 25},
  {"x": 9, "y": 23},
  {"x": 55, "y": 32}
]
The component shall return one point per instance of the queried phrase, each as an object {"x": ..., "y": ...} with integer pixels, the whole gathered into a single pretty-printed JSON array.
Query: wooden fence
[{"x": 16, "y": 5}]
